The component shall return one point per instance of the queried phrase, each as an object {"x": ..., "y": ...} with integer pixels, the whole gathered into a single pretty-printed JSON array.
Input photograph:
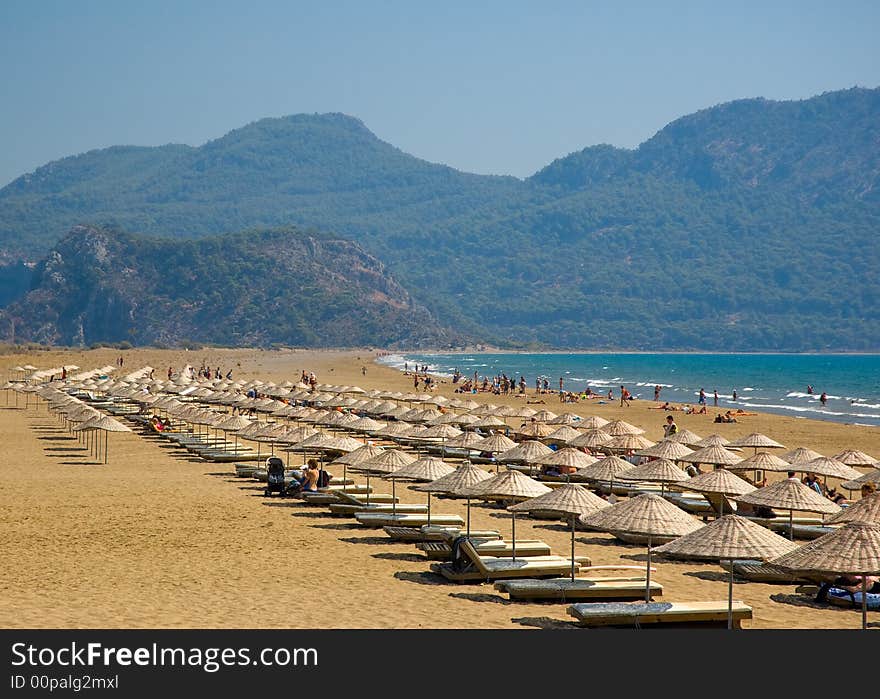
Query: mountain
[
  {"x": 748, "y": 226},
  {"x": 255, "y": 289}
]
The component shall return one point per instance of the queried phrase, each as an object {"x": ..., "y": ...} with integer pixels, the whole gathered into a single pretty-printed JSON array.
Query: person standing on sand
[
  {"x": 624, "y": 397},
  {"x": 657, "y": 393},
  {"x": 670, "y": 428},
  {"x": 716, "y": 397}
]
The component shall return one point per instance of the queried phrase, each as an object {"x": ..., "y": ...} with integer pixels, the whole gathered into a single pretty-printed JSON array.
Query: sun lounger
[
  {"x": 347, "y": 509},
  {"x": 758, "y": 571},
  {"x": 641, "y": 539},
  {"x": 381, "y": 519},
  {"x": 442, "y": 550},
  {"x": 491, "y": 568},
  {"x": 568, "y": 590},
  {"x": 435, "y": 533},
  {"x": 803, "y": 531},
  {"x": 642, "y": 613}
]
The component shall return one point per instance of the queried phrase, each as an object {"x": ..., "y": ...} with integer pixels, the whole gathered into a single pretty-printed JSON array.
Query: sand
[{"x": 155, "y": 539}]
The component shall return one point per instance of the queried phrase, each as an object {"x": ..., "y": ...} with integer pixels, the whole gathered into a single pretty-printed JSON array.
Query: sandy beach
[{"x": 158, "y": 539}]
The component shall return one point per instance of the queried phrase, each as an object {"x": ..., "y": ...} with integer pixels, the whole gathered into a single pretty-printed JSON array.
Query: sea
[{"x": 774, "y": 383}]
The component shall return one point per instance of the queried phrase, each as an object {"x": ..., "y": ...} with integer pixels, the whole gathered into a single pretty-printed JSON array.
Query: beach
[{"x": 158, "y": 539}]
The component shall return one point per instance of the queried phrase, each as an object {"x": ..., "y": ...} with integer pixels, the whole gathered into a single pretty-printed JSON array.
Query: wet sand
[{"x": 155, "y": 539}]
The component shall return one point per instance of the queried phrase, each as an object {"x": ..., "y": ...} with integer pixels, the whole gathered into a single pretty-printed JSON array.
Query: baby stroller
[{"x": 275, "y": 467}]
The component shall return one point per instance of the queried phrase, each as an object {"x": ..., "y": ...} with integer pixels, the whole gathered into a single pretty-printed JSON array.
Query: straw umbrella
[
  {"x": 852, "y": 457},
  {"x": 713, "y": 440},
  {"x": 857, "y": 483},
  {"x": 593, "y": 423},
  {"x": 666, "y": 449},
  {"x": 865, "y": 510},
  {"x": 686, "y": 437},
  {"x": 729, "y": 537},
  {"x": 527, "y": 452},
  {"x": 645, "y": 515},
  {"x": 108, "y": 424},
  {"x": 466, "y": 440},
  {"x": 233, "y": 424},
  {"x": 508, "y": 485},
  {"x": 607, "y": 469},
  {"x": 562, "y": 435},
  {"x": 660, "y": 471},
  {"x": 388, "y": 461},
  {"x": 571, "y": 499},
  {"x": 627, "y": 442},
  {"x": 756, "y": 440},
  {"x": 853, "y": 549},
  {"x": 428, "y": 468},
  {"x": 352, "y": 458},
  {"x": 460, "y": 480},
  {"x": 536, "y": 430},
  {"x": 591, "y": 439},
  {"x": 567, "y": 458},
  {"x": 716, "y": 455},
  {"x": 801, "y": 455},
  {"x": 720, "y": 482},
  {"x": 790, "y": 495},
  {"x": 616, "y": 428}
]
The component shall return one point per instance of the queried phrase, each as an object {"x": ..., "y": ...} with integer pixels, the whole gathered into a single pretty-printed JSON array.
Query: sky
[{"x": 488, "y": 87}]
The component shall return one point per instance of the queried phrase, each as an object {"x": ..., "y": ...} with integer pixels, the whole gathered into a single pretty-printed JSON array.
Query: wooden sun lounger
[
  {"x": 346, "y": 509},
  {"x": 381, "y": 519},
  {"x": 490, "y": 568},
  {"x": 642, "y": 613},
  {"x": 437, "y": 534},
  {"x": 568, "y": 590},
  {"x": 442, "y": 550},
  {"x": 758, "y": 571}
]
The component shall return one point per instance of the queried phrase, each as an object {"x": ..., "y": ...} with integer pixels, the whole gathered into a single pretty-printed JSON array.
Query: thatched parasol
[
  {"x": 591, "y": 439},
  {"x": 853, "y": 549},
  {"x": 561, "y": 435},
  {"x": 496, "y": 443},
  {"x": 646, "y": 515},
  {"x": 388, "y": 461},
  {"x": 729, "y": 537},
  {"x": 661, "y": 471},
  {"x": 570, "y": 499},
  {"x": 687, "y": 437},
  {"x": 616, "y": 428},
  {"x": 607, "y": 469},
  {"x": 666, "y": 449},
  {"x": 716, "y": 455},
  {"x": 428, "y": 468},
  {"x": 593, "y": 423},
  {"x": 460, "y": 480},
  {"x": 801, "y": 455},
  {"x": 756, "y": 440},
  {"x": 865, "y": 510},
  {"x": 857, "y": 483},
  {"x": 790, "y": 494},
  {"x": 852, "y": 457},
  {"x": 507, "y": 485},
  {"x": 627, "y": 442},
  {"x": 828, "y": 466}
]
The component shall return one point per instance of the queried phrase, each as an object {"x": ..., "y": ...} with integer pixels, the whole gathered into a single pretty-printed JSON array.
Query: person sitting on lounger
[{"x": 310, "y": 477}]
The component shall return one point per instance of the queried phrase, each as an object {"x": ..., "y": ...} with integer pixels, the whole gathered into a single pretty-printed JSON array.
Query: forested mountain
[
  {"x": 254, "y": 288},
  {"x": 748, "y": 226}
]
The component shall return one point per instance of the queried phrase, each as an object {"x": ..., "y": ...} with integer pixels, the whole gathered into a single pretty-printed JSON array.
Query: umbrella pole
[
  {"x": 864, "y": 602},
  {"x": 429, "y": 509},
  {"x": 514, "y": 536},
  {"x": 573, "y": 517},
  {"x": 394, "y": 496},
  {"x": 106, "y": 440},
  {"x": 730, "y": 598},
  {"x": 368, "y": 488},
  {"x": 344, "y": 478},
  {"x": 648, "y": 574},
  {"x": 469, "y": 518},
  {"x": 791, "y": 525}
]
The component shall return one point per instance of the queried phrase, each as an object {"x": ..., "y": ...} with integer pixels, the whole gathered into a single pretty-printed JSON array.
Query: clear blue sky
[{"x": 491, "y": 87}]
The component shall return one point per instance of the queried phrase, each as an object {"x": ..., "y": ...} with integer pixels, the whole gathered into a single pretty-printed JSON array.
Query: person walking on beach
[
  {"x": 715, "y": 392},
  {"x": 702, "y": 400},
  {"x": 624, "y": 397}
]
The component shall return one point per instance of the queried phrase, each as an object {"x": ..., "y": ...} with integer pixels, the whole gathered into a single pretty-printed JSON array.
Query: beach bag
[{"x": 324, "y": 479}]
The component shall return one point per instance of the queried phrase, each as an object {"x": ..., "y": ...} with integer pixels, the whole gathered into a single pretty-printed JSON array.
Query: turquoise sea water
[{"x": 775, "y": 383}]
